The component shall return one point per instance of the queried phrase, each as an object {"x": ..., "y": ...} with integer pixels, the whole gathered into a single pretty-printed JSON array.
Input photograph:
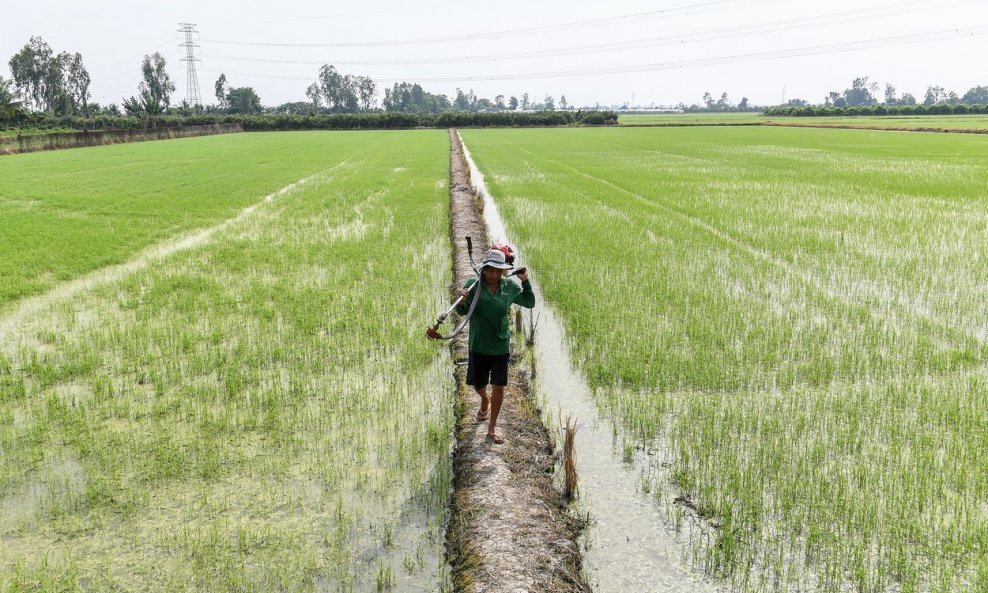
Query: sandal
[
  {"x": 494, "y": 438},
  {"x": 483, "y": 416}
]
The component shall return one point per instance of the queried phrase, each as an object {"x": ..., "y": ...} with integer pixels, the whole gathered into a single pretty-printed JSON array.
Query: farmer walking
[{"x": 490, "y": 338}]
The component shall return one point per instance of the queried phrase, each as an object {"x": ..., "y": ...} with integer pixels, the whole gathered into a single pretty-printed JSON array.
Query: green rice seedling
[
  {"x": 797, "y": 315},
  {"x": 257, "y": 411},
  {"x": 936, "y": 122},
  {"x": 69, "y": 212}
]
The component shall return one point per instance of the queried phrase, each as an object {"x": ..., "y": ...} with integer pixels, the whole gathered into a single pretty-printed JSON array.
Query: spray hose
[{"x": 433, "y": 332}]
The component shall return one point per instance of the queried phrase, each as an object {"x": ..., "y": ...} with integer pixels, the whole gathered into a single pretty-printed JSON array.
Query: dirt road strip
[
  {"x": 12, "y": 323},
  {"x": 509, "y": 530}
]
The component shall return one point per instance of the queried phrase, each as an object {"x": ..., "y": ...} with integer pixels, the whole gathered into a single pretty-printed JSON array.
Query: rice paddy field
[
  {"x": 948, "y": 122},
  {"x": 247, "y": 404},
  {"x": 789, "y": 325},
  {"x": 631, "y": 119}
]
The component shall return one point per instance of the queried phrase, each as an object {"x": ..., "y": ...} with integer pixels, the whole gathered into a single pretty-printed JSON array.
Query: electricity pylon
[{"x": 192, "y": 81}]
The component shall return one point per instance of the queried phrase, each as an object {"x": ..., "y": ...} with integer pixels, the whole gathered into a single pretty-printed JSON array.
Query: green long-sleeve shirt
[{"x": 489, "y": 333}]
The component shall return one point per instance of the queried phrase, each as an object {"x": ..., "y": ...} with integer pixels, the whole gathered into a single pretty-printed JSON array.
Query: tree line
[
  {"x": 58, "y": 85},
  {"x": 880, "y": 109},
  {"x": 331, "y": 121},
  {"x": 42, "y": 80},
  {"x": 864, "y": 95}
]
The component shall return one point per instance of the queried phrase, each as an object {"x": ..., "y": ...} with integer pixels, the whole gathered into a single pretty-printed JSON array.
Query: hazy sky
[{"x": 591, "y": 51}]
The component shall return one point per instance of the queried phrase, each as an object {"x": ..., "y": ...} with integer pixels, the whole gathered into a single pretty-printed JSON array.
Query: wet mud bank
[{"x": 509, "y": 529}]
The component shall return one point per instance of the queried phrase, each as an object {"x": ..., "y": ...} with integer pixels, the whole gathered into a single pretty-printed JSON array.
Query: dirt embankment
[
  {"x": 81, "y": 138},
  {"x": 509, "y": 530}
]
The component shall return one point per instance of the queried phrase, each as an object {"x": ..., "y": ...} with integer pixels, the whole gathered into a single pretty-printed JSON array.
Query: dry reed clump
[{"x": 571, "y": 483}]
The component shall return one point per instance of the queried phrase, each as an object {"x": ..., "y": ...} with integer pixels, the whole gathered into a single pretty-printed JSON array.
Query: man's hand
[{"x": 523, "y": 276}]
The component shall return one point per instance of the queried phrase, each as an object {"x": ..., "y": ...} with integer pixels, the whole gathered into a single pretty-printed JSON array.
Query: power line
[
  {"x": 787, "y": 25},
  {"x": 308, "y": 18},
  {"x": 590, "y": 23},
  {"x": 694, "y": 63}
]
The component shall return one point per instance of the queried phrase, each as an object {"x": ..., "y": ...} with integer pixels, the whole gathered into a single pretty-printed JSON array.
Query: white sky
[{"x": 675, "y": 48}]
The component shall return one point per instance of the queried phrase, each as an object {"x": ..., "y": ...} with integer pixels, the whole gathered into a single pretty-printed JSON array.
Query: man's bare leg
[
  {"x": 497, "y": 398},
  {"x": 485, "y": 403}
]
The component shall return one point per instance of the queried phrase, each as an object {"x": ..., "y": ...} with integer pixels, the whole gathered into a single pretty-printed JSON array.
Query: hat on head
[{"x": 495, "y": 259}]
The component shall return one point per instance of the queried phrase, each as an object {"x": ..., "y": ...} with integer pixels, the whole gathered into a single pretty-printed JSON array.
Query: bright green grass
[
  {"x": 632, "y": 119},
  {"x": 947, "y": 122},
  {"x": 950, "y": 122},
  {"x": 256, "y": 413},
  {"x": 801, "y": 314},
  {"x": 68, "y": 212}
]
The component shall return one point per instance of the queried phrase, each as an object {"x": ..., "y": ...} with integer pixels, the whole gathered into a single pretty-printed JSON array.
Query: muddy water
[{"x": 631, "y": 545}]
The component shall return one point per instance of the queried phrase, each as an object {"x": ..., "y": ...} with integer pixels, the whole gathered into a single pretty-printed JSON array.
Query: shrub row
[
  {"x": 342, "y": 121},
  {"x": 820, "y": 111}
]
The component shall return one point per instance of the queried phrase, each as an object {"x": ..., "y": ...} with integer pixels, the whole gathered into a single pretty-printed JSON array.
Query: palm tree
[
  {"x": 146, "y": 107},
  {"x": 10, "y": 106}
]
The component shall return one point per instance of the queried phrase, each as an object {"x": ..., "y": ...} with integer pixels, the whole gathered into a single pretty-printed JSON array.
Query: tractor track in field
[
  {"x": 509, "y": 528},
  {"x": 808, "y": 277},
  {"x": 12, "y": 322}
]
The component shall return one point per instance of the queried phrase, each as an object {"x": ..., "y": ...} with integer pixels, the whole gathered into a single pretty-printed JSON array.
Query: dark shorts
[{"x": 484, "y": 368}]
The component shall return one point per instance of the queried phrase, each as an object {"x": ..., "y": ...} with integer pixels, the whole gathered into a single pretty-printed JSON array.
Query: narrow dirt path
[{"x": 509, "y": 530}]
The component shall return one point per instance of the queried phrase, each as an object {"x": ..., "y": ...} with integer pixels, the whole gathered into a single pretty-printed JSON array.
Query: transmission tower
[{"x": 192, "y": 80}]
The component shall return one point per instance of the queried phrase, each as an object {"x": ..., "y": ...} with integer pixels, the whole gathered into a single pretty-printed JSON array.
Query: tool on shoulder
[{"x": 509, "y": 257}]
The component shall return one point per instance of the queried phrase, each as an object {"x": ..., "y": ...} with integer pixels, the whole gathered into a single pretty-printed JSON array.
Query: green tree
[
  {"x": 976, "y": 96},
  {"x": 890, "y": 94},
  {"x": 723, "y": 104},
  {"x": 461, "y": 102},
  {"x": 295, "y": 108},
  {"x": 341, "y": 93},
  {"x": 907, "y": 99},
  {"x": 156, "y": 80},
  {"x": 147, "y": 107},
  {"x": 366, "y": 91},
  {"x": 222, "y": 91},
  {"x": 861, "y": 92},
  {"x": 56, "y": 96},
  {"x": 513, "y": 103},
  {"x": 330, "y": 83},
  {"x": 550, "y": 103},
  {"x": 407, "y": 97},
  {"x": 29, "y": 67},
  {"x": 563, "y": 104},
  {"x": 10, "y": 104},
  {"x": 314, "y": 95},
  {"x": 526, "y": 102},
  {"x": 499, "y": 102},
  {"x": 244, "y": 100},
  {"x": 77, "y": 85},
  {"x": 708, "y": 100},
  {"x": 743, "y": 104},
  {"x": 934, "y": 95},
  {"x": 56, "y": 84}
]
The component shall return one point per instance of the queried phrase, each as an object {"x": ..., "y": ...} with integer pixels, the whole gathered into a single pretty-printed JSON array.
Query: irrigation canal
[{"x": 630, "y": 545}]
